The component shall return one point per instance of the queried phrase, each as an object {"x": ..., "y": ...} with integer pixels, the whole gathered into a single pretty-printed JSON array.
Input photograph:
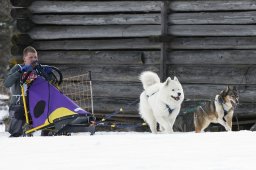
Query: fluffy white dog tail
[{"x": 148, "y": 78}]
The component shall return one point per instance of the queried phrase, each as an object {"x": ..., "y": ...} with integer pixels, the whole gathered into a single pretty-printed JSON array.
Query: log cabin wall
[{"x": 207, "y": 44}]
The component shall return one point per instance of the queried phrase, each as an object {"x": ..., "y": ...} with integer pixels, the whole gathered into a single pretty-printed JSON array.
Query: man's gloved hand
[
  {"x": 26, "y": 68},
  {"x": 47, "y": 69}
]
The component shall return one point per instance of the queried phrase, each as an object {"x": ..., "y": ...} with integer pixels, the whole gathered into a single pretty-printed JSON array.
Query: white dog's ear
[
  {"x": 175, "y": 78},
  {"x": 167, "y": 81}
]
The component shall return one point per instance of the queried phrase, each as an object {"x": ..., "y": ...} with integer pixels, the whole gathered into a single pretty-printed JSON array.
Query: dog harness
[
  {"x": 152, "y": 94},
  {"x": 225, "y": 111},
  {"x": 169, "y": 109}
]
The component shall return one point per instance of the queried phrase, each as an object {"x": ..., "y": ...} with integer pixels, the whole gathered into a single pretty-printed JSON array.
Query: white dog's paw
[{"x": 228, "y": 128}]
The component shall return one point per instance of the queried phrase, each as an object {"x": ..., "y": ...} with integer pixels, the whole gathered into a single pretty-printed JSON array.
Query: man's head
[{"x": 29, "y": 55}]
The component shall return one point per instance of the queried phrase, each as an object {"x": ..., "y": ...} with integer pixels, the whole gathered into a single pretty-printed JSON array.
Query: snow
[
  {"x": 4, "y": 112},
  {"x": 4, "y": 97},
  {"x": 131, "y": 150}
]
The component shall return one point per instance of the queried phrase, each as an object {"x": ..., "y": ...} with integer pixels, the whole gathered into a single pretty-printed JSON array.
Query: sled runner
[{"x": 48, "y": 109}]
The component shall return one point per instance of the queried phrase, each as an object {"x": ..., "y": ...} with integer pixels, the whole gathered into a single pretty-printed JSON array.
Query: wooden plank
[
  {"x": 213, "y": 5},
  {"x": 214, "y": 74},
  {"x": 132, "y": 43},
  {"x": 21, "y": 3},
  {"x": 221, "y": 57},
  {"x": 94, "y": 6},
  {"x": 108, "y": 44},
  {"x": 212, "y": 30},
  {"x": 68, "y": 32},
  {"x": 17, "y": 13},
  {"x": 107, "y": 19},
  {"x": 248, "y": 17},
  {"x": 217, "y": 43},
  {"x": 65, "y": 32},
  {"x": 91, "y": 57},
  {"x": 115, "y": 73}
]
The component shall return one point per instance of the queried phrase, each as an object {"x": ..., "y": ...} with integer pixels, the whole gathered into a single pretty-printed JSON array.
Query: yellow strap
[{"x": 24, "y": 103}]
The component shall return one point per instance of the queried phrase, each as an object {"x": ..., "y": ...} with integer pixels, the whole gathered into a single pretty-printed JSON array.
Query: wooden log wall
[{"x": 208, "y": 44}]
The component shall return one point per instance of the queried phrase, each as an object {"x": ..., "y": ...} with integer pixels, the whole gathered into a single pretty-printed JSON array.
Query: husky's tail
[{"x": 148, "y": 78}]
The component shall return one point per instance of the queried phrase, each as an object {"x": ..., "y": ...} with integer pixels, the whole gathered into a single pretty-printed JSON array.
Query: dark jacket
[{"x": 12, "y": 81}]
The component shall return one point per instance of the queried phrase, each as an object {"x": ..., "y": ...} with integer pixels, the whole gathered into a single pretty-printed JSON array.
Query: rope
[{"x": 108, "y": 116}]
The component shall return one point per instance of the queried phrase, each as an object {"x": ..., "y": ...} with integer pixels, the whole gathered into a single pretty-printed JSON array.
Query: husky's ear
[
  {"x": 226, "y": 90},
  {"x": 175, "y": 78},
  {"x": 167, "y": 81}
]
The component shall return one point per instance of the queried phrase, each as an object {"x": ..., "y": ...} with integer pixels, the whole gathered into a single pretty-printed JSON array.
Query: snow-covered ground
[
  {"x": 130, "y": 150},
  {"x": 4, "y": 97}
]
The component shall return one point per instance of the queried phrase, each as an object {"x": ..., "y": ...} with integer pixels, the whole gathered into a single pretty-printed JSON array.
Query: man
[{"x": 12, "y": 81}]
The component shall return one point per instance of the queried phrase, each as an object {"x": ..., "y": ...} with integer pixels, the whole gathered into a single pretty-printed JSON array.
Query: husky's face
[
  {"x": 230, "y": 94},
  {"x": 173, "y": 90}
]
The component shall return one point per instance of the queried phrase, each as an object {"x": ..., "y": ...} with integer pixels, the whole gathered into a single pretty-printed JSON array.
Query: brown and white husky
[{"x": 218, "y": 111}]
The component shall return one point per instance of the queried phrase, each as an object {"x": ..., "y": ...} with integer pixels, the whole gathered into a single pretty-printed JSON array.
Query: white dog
[{"x": 160, "y": 102}]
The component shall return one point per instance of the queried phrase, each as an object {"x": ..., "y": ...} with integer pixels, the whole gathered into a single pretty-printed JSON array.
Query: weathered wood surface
[
  {"x": 68, "y": 32},
  {"x": 193, "y": 92},
  {"x": 96, "y": 57},
  {"x": 212, "y": 30},
  {"x": 180, "y": 43},
  {"x": 207, "y": 74},
  {"x": 91, "y": 57},
  {"x": 18, "y": 13},
  {"x": 94, "y": 7},
  {"x": 213, "y": 5},
  {"x": 114, "y": 73},
  {"x": 231, "y": 57},
  {"x": 108, "y": 44},
  {"x": 248, "y": 17},
  {"x": 217, "y": 43},
  {"x": 214, "y": 74},
  {"x": 134, "y": 6},
  {"x": 132, "y": 43},
  {"x": 109, "y": 31},
  {"x": 107, "y": 19}
]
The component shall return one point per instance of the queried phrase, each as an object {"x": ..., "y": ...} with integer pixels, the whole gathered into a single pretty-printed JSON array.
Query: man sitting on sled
[{"x": 12, "y": 81}]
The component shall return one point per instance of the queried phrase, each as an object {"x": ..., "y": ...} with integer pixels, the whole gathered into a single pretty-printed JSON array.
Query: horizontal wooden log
[
  {"x": 212, "y": 5},
  {"x": 21, "y": 3},
  {"x": 91, "y": 57},
  {"x": 115, "y": 73},
  {"x": 217, "y": 43},
  {"x": 212, "y": 57},
  {"x": 248, "y": 17},
  {"x": 110, "y": 19},
  {"x": 121, "y": 44},
  {"x": 212, "y": 30},
  {"x": 94, "y": 6},
  {"x": 132, "y": 43},
  {"x": 18, "y": 13},
  {"x": 214, "y": 74},
  {"x": 196, "y": 43},
  {"x": 67, "y": 32},
  {"x": 99, "y": 57},
  {"x": 133, "y": 6}
]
